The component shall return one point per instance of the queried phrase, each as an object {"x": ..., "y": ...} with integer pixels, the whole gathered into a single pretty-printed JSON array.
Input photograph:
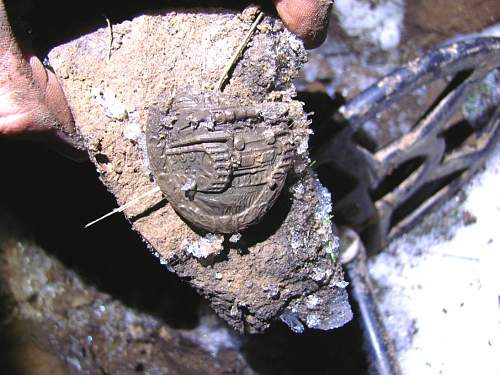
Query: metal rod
[
  {"x": 380, "y": 349},
  {"x": 379, "y": 346}
]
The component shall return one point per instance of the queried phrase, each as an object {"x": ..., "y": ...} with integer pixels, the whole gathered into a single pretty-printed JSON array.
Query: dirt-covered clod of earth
[
  {"x": 286, "y": 266},
  {"x": 53, "y": 322}
]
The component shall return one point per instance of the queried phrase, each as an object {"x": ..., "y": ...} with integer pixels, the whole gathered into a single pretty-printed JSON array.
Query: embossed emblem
[{"x": 220, "y": 165}]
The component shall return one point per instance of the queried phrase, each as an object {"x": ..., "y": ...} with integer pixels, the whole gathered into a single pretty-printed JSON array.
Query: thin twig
[
  {"x": 239, "y": 51},
  {"x": 125, "y": 206},
  {"x": 110, "y": 36}
]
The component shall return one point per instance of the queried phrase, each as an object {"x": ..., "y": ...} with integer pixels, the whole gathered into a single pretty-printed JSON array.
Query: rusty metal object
[
  {"x": 220, "y": 165},
  {"x": 378, "y": 344},
  {"x": 388, "y": 186}
]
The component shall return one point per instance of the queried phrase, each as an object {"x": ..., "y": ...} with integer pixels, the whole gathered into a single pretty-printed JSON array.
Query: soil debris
[{"x": 166, "y": 53}]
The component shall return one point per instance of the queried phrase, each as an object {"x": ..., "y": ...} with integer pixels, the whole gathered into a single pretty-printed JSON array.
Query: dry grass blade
[
  {"x": 125, "y": 206},
  {"x": 239, "y": 51}
]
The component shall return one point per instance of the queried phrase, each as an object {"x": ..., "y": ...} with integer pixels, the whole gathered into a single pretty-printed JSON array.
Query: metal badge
[{"x": 220, "y": 164}]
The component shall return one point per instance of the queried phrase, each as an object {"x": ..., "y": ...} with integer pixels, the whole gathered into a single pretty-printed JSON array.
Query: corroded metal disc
[{"x": 220, "y": 165}]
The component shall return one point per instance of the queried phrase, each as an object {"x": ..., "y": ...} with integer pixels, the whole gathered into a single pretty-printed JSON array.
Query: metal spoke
[{"x": 399, "y": 181}]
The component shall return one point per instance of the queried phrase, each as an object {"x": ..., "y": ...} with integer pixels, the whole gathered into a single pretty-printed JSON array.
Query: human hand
[
  {"x": 32, "y": 103},
  {"x": 308, "y": 19}
]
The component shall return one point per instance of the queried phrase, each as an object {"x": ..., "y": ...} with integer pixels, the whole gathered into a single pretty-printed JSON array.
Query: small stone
[
  {"x": 341, "y": 284},
  {"x": 291, "y": 320},
  {"x": 132, "y": 131},
  {"x": 273, "y": 291},
  {"x": 320, "y": 275},
  {"x": 235, "y": 238},
  {"x": 205, "y": 247},
  {"x": 234, "y": 310},
  {"x": 312, "y": 302},
  {"x": 112, "y": 107}
]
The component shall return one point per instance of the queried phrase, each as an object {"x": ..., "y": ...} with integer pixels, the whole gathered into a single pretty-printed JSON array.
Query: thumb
[{"x": 308, "y": 19}]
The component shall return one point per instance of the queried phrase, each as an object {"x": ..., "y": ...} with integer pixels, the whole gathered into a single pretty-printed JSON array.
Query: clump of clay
[{"x": 279, "y": 265}]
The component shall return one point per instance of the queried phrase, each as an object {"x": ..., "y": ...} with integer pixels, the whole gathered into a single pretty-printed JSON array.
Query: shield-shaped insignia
[{"x": 220, "y": 165}]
